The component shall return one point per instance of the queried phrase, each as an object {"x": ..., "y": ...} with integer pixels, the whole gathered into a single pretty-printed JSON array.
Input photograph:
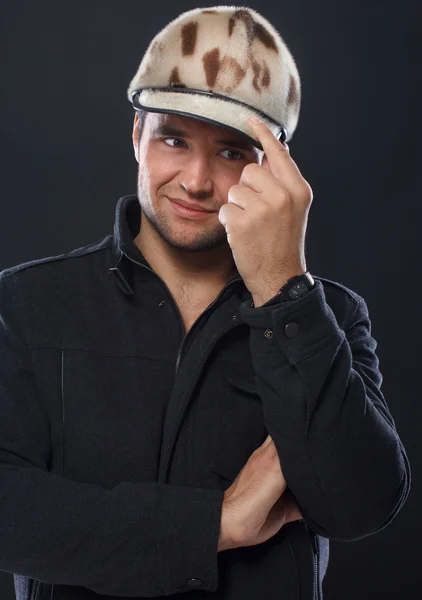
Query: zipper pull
[{"x": 315, "y": 542}]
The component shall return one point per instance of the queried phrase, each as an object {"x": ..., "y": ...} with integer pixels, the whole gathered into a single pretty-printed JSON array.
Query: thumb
[
  {"x": 268, "y": 439},
  {"x": 292, "y": 508}
]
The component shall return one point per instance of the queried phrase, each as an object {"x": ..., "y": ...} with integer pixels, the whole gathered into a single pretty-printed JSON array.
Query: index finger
[{"x": 278, "y": 156}]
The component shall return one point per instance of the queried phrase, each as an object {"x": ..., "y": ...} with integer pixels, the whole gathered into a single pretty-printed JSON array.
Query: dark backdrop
[{"x": 66, "y": 156}]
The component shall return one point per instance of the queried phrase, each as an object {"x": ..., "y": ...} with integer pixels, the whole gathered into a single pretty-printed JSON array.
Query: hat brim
[{"x": 208, "y": 107}]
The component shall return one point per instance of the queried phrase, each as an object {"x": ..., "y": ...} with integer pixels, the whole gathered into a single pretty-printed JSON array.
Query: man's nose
[{"x": 195, "y": 178}]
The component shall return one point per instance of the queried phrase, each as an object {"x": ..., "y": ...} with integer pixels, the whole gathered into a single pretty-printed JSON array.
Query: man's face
[{"x": 186, "y": 159}]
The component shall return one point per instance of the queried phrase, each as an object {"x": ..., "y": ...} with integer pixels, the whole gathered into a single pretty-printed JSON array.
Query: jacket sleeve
[
  {"x": 136, "y": 539},
  {"x": 337, "y": 442}
]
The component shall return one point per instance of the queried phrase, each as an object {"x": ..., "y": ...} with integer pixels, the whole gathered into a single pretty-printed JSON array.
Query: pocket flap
[{"x": 240, "y": 378}]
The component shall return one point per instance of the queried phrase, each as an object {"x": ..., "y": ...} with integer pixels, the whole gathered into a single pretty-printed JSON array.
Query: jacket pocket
[
  {"x": 238, "y": 424},
  {"x": 110, "y": 424}
]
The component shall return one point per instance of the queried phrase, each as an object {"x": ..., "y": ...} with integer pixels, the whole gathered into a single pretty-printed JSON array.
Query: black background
[{"x": 67, "y": 156}]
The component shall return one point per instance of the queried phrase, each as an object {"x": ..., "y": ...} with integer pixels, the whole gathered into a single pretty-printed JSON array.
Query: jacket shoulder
[
  {"x": 343, "y": 300},
  {"x": 52, "y": 261},
  {"x": 334, "y": 287}
]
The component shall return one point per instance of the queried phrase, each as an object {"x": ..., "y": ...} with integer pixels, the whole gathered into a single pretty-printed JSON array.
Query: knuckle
[
  {"x": 250, "y": 169},
  {"x": 284, "y": 196},
  {"x": 233, "y": 189},
  {"x": 306, "y": 192}
]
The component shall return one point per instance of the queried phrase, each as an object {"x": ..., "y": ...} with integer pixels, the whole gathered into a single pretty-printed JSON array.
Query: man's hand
[
  {"x": 265, "y": 219},
  {"x": 257, "y": 505}
]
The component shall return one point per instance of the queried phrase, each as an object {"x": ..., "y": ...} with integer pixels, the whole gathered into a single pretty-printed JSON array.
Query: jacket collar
[{"x": 126, "y": 227}]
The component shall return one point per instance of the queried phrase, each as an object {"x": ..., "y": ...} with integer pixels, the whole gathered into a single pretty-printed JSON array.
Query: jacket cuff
[
  {"x": 190, "y": 539},
  {"x": 298, "y": 327}
]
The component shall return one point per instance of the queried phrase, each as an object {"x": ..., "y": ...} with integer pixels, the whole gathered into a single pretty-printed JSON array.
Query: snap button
[
  {"x": 291, "y": 329},
  {"x": 234, "y": 316},
  {"x": 194, "y": 582},
  {"x": 268, "y": 333}
]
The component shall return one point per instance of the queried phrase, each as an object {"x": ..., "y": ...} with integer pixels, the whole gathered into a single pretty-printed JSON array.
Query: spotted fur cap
[{"x": 221, "y": 64}]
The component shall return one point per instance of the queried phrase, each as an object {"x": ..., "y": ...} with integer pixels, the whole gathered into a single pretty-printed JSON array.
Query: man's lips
[{"x": 191, "y": 205}]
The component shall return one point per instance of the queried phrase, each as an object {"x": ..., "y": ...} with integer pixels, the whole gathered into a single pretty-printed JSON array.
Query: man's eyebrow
[{"x": 170, "y": 130}]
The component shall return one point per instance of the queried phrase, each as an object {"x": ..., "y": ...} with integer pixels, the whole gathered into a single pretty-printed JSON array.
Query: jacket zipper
[
  {"x": 179, "y": 354},
  {"x": 315, "y": 545},
  {"x": 34, "y": 589}
]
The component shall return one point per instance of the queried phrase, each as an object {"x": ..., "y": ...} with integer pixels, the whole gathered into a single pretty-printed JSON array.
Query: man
[{"x": 186, "y": 410}]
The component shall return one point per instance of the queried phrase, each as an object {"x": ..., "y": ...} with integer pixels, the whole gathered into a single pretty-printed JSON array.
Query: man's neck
[{"x": 203, "y": 276}]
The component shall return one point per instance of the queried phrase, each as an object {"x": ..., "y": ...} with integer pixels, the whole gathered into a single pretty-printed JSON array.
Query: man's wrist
[
  {"x": 293, "y": 288},
  {"x": 225, "y": 541}
]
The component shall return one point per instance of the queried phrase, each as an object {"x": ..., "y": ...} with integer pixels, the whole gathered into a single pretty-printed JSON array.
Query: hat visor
[{"x": 208, "y": 107}]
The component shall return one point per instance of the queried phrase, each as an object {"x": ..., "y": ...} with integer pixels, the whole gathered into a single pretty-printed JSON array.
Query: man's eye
[
  {"x": 175, "y": 139},
  {"x": 241, "y": 157},
  {"x": 239, "y": 154}
]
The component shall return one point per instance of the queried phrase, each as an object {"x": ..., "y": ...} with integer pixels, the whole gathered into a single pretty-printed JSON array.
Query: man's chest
[{"x": 191, "y": 306}]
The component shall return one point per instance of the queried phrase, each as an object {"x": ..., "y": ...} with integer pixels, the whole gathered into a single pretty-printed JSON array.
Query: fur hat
[{"x": 221, "y": 64}]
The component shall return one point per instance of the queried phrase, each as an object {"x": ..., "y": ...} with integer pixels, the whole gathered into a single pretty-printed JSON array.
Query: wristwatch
[{"x": 296, "y": 287}]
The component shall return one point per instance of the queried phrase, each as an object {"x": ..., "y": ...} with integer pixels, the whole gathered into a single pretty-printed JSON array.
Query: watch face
[
  {"x": 298, "y": 289},
  {"x": 299, "y": 286}
]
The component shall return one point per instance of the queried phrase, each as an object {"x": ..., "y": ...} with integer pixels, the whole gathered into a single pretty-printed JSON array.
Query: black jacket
[{"x": 119, "y": 435}]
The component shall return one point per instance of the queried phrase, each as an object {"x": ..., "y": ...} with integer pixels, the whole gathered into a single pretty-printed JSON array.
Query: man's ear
[{"x": 135, "y": 136}]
